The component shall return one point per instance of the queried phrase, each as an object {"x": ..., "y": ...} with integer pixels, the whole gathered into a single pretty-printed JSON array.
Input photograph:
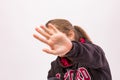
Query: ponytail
[{"x": 80, "y": 33}]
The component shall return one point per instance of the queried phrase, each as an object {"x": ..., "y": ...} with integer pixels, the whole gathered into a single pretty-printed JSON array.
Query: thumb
[{"x": 49, "y": 51}]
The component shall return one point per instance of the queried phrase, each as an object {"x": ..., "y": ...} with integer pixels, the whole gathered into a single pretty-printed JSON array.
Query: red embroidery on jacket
[
  {"x": 69, "y": 74},
  {"x": 58, "y": 75},
  {"x": 81, "y": 74}
]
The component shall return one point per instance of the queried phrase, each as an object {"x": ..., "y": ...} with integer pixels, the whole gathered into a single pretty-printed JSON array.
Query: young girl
[{"x": 78, "y": 58}]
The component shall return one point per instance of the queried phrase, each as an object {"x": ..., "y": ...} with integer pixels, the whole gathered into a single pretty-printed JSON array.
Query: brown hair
[{"x": 65, "y": 26}]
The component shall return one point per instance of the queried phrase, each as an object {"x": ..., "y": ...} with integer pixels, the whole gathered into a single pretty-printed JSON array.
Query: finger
[
  {"x": 53, "y": 27},
  {"x": 40, "y": 39},
  {"x": 46, "y": 30},
  {"x": 46, "y": 35}
]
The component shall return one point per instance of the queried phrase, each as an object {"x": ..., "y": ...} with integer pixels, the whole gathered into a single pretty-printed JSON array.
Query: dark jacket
[{"x": 85, "y": 61}]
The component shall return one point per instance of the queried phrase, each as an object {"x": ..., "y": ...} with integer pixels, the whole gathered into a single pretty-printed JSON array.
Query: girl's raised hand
[{"x": 58, "y": 42}]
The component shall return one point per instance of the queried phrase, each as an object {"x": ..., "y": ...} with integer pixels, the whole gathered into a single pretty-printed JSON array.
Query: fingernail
[
  {"x": 42, "y": 26},
  {"x": 37, "y": 29}
]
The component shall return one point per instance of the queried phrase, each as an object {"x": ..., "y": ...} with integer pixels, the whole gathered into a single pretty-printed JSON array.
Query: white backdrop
[{"x": 21, "y": 57}]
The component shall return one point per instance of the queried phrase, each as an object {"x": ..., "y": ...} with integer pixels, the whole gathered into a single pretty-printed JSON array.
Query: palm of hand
[{"x": 58, "y": 41}]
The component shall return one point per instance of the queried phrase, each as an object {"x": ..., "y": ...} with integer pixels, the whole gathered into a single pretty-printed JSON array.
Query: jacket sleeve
[{"x": 87, "y": 54}]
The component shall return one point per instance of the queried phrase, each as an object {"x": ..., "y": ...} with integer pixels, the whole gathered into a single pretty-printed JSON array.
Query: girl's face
[{"x": 70, "y": 34}]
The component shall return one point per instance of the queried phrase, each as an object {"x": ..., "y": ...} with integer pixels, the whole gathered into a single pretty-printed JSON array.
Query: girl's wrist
[{"x": 69, "y": 49}]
